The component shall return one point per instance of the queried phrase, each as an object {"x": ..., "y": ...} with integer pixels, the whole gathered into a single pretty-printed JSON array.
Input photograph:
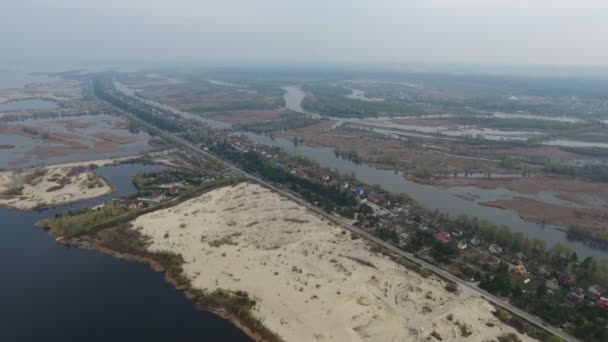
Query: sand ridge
[
  {"x": 54, "y": 185},
  {"x": 311, "y": 280}
]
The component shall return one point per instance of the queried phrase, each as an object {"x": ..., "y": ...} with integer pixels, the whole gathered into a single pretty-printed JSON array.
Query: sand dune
[
  {"x": 53, "y": 185},
  {"x": 312, "y": 281}
]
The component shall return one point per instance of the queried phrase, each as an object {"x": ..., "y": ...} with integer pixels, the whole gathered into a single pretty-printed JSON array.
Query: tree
[{"x": 541, "y": 291}]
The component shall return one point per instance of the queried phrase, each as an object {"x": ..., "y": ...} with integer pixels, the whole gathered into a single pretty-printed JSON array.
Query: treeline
[
  {"x": 590, "y": 172},
  {"x": 99, "y": 89},
  {"x": 329, "y": 100},
  {"x": 587, "y": 151},
  {"x": 286, "y": 121},
  {"x": 327, "y": 197}
]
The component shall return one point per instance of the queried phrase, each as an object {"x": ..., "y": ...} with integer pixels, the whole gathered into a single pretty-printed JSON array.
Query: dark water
[{"x": 49, "y": 292}]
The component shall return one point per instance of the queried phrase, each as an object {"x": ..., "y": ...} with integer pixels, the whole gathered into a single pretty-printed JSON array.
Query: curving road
[{"x": 338, "y": 220}]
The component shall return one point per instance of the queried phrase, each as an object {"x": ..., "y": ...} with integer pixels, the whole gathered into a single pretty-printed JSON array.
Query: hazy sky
[{"x": 571, "y": 32}]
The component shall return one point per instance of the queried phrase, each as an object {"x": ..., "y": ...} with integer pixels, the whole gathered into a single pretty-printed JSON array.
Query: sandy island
[
  {"x": 311, "y": 280},
  {"x": 49, "y": 186}
]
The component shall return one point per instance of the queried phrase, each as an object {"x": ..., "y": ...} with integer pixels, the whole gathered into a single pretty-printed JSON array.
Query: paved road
[{"x": 340, "y": 221}]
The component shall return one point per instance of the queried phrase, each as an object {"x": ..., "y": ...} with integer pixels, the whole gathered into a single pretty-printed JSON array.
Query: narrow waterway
[
  {"x": 50, "y": 292},
  {"x": 427, "y": 195}
]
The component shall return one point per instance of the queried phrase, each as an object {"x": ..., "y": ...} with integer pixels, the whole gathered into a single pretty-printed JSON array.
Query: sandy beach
[
  {"x": 49, "y": 186},
  {"x": 311, "y": 279}
]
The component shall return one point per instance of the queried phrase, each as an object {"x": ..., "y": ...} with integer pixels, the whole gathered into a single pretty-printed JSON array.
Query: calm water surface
[{"x": 49, "y": 292}]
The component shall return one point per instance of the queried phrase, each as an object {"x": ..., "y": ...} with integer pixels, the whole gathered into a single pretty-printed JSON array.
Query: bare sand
[
  {"x": 311, "y": 280},
  {"x": 49, "y": 186}
]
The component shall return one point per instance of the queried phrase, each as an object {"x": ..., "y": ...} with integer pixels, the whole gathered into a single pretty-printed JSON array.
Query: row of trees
[
  {"x": 100, "y": 89},
  {"x": 329, "y": 197},
  {"x": 590, "y": 172}
]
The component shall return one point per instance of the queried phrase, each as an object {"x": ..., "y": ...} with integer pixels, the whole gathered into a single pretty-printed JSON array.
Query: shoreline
[
  {"x": 86, "y": 164},
  {"x": 95, "y": 244},
  {"x": 578, "y": 235}
]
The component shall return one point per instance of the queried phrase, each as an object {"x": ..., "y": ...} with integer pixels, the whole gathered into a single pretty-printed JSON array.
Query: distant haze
[{"x": 380, "y": 32}]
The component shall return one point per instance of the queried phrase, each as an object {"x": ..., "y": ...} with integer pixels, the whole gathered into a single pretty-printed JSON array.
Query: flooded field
[
  {"x": 60, "y": 140},
  {"x": 26, "y": 105}
]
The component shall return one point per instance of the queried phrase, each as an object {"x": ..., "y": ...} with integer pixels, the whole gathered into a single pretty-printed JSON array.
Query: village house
[
  {"x": 602, "y": 302},
  {"x": 519, "y": 271},
  {"x": 462, "y": 244},
  {"x": 475, "y": 241},
  {"x": 552, "y": 284},
  {"x": 443, "y": 237},
  {"x": 544, "y": 271},
  {"x": 495, "y": 249},
  {"x": 575, "y": 296},
  {"x": 594, "y": 292}
]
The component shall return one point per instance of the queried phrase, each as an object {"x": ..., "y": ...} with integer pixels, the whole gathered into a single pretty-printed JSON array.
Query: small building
[
  {"x": 495, "y": 249},
  {"x": 575, "y": 296},
  {"x": 552, "y": 284},
  {"x": 475, "y": 241},
  {"x": 602, "y": 302},
  {"x": 519, "y": 271},
  {"x": 462, "y": 244},
  {"x": 443, "y": 237},
  {"x": 594, "y": 292}
]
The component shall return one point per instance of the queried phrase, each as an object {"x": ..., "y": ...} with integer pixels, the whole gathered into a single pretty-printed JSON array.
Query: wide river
[
  {"x": 50, "y": 292},
  {"x": 444, "y": 200}
]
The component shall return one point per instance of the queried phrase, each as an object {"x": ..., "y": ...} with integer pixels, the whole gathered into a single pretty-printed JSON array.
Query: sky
[{"x": 378, "y": 32}]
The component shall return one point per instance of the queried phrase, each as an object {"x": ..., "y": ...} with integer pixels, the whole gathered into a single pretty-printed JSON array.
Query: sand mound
[
  {"x": 55, "y": 185},
  {"x": 311, "y": 280}
]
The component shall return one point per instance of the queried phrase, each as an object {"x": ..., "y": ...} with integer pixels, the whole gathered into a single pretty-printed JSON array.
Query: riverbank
[
  {"x": 83, "y": 286},
  {"x": 583, "y": 223},
  {"x": 309, "y": 278},
  {"x": 54, "y": 185}
]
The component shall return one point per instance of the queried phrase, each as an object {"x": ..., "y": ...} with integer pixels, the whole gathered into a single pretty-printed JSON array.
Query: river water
[
  {"x": 50, "y": 292},
  {"x": 444, "y": 200}
]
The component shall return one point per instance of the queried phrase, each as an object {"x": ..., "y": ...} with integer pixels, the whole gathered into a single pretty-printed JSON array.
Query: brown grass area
[
  {"x": 592, "y": 222},
  {"x": 116, "y": 139},
  {"x": 570, "y": 189},
  {"x": 245, "y": 116},
  {"x": 425, "y": 122},
  {"x": 385, "y": 153},
  {"x": 311, "y": 133}
]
